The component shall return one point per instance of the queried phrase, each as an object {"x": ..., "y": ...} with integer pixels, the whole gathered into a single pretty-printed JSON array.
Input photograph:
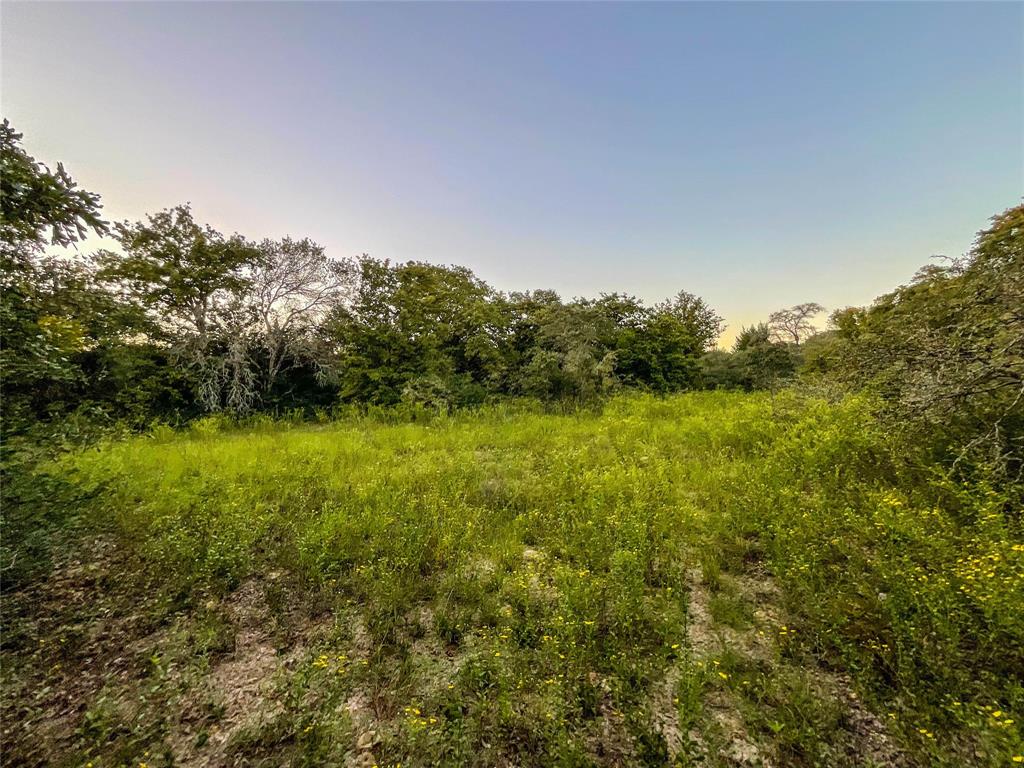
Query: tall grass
[{"x": 552, "y": 551}]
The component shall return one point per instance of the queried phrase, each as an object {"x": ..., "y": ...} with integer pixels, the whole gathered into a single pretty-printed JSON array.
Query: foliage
[
  {"x": 38, "y": 205},
  {"x": 200, "y": 322},
  {"x": 411, "y": 321},
  {"x": 293, "y": 288},
  {"x": 47, "y": 308},
  {"x": 568, "y": 362},
  {"x": 187, "y": 278},
  {"x": 946, "y": 354},
  {"x": 662, "y": 351},
  {"x": 208, "y": 323},
  {"x": 520, "y": 587},
  {"x": 523, "y": 577},
  {"x": 756, "y": 362}
]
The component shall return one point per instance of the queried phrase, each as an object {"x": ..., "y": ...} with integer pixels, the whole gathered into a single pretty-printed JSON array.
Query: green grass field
[{"x": 708, "y": 579}]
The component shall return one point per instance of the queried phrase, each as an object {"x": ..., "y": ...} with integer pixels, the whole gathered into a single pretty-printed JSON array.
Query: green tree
[
  {"x": 38, "y": 205},
  {"x": 56, "y": 324},
  {"x": 42, "y": 301},
  {"x": 755, "y": 362},
  {"x": 419, "y": 327},
  {"x": 663, "y": 350},
  {"x": 191, "y": 280},
  {"x": 568, "y": 361},
  {"x": 702, "y": 323},
  {"x": 752, "y": 336}
]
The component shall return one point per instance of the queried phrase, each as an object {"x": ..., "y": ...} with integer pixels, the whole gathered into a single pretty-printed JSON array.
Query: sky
[{"x": 757, "y": 155}]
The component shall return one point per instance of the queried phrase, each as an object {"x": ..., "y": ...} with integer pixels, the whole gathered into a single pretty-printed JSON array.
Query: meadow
[{"x": 701, "y": 579}]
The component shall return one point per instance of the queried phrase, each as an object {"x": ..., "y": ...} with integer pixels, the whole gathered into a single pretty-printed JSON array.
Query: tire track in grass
[
  {"x": 723, "y": 719},
  {"x": 739, "y": 677}
]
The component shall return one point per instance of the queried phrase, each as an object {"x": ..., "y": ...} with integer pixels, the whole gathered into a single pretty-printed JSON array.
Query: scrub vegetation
[
  {"x": 265, "y": 508},
  {"x": 713, "y": 578}
]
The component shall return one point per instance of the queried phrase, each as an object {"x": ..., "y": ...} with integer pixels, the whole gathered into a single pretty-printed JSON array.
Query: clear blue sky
[{"x": 756, "y": 154}]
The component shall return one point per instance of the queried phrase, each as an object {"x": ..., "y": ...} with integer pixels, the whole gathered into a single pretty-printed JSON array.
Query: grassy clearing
[{"x": 713, "y": 579}]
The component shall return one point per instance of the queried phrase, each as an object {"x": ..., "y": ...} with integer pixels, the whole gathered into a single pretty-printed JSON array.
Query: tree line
[{"x": 185, "y": 320}]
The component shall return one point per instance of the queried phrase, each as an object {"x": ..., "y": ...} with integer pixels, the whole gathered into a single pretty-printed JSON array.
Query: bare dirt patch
[{"x": 239, "y": 683}]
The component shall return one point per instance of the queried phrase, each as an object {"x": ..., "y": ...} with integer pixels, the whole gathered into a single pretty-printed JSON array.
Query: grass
[{"x": 711, "y": 578}]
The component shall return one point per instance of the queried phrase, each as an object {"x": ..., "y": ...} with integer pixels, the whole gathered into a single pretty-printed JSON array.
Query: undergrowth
[{"x": 510, "y": 587}]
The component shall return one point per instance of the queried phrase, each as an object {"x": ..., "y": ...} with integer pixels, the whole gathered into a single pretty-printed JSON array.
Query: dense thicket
[{"x": 945, "y": 355}]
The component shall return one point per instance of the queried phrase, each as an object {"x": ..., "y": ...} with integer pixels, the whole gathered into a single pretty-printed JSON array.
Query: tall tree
[
  {"x": 293, "y": 287},
  {"x": 191, "y": 279},
  {"x": 664, "y": 353},
  {"x": 795, "y": 324},
  {"x": 752, "y": 336},
  {"x": 702, "y": 323},
  {"x": 41, "y": 338},
  {"x": 568, "y": 362}
]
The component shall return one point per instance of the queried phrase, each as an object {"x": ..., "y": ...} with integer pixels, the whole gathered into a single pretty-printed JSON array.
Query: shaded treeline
[{"x": 185, "y": 321}]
